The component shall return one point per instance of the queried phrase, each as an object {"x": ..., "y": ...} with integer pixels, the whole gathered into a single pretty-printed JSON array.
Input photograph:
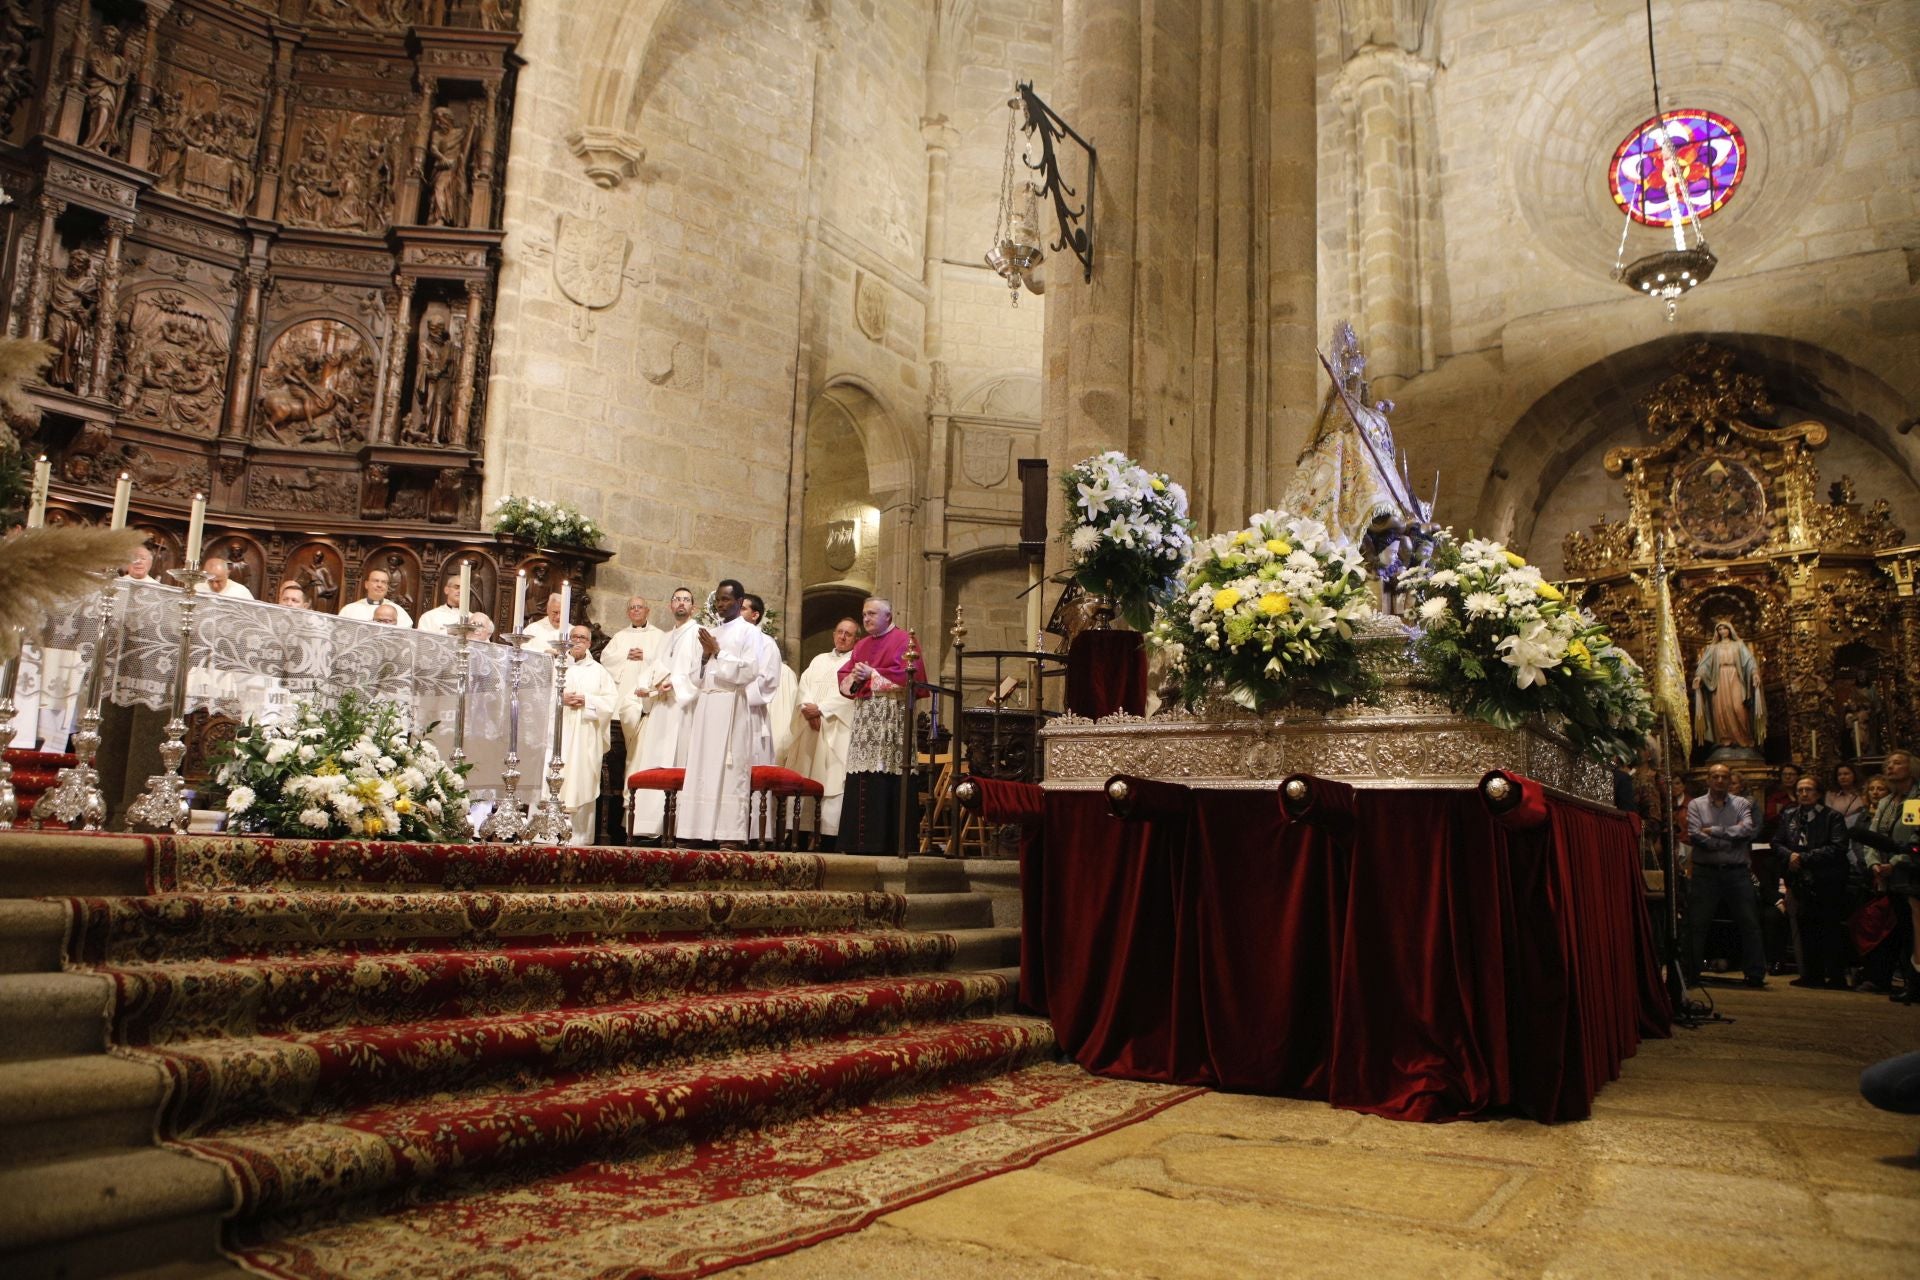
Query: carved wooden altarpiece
[
  {"x": 1820, "y": 587},
  {"x": 262, "y": 239}
]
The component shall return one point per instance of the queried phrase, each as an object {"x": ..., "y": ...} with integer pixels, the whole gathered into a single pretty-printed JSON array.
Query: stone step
[
  {"x": 947, "y": 911},
  {"x": 54, "y": 1109},
  {"x": 892, "y": 875},
  {"x": 52, "y": 1015},
  {"x": 30, "y": 935},
  {"x": 42, "y": 863},
  {"x": 74, "y": 1205}
]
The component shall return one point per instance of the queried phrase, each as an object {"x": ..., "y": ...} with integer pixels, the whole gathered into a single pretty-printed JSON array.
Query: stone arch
[
  {"x": 617, "y": 38},
  {"x": 860, "y": 483},
  {"x": 1596, "y": 403}
]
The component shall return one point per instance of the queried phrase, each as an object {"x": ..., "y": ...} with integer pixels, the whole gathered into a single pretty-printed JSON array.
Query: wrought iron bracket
[{"x": 1076, "y": 223}]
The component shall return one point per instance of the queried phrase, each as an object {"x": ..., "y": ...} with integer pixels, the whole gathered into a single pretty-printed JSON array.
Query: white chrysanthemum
[
  {"x": 1085, "y": 538},
  {"x": 1433, "y": 609},
  {"x": 1482, "y": 604},
  {"x": 1444, "y": 578},
  {"x": 345, "y": 803},
  {"x": 386, "y": 764},
  {"x": 306, "y": 754},
  {"x": 278, "y": 750},
  {"x": 315, "y": 818},
  {"x": 240, "y": 799}
]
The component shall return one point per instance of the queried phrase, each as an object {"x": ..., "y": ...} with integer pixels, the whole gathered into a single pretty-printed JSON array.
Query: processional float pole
[
  {"x": 76, "y": 796},
  {"x": 163, "y": 806},
  {"x": 9, "y": 674},
  {"x": 550, "y": 823},
  {"x": 507, "y": 824}
]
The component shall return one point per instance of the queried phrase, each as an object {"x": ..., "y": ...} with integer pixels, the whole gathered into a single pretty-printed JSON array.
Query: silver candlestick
[
  {"x": 550, "y": 822},
  {"x": 9, "y": 673},
  {"x": 163, "y": 806},
  {"x": 507, "y": 824},
  {"x": 463, "y": 642},
  {"x": 76, "y": 796}
]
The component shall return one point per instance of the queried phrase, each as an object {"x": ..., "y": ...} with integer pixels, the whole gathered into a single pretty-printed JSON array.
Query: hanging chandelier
[
  {"x": 1668, "y": 274},
  {"x": 1016, "y": 249}
]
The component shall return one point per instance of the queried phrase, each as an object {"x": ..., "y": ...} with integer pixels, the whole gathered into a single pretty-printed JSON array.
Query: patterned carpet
[{"x": 566, "y": 1062}]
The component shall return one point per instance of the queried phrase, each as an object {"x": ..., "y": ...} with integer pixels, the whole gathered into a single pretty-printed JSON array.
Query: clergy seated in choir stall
[
  {"x": 140, "y": 568},
  {"x": 387, "y": 613},
  {"x": 219, "y": 580},
  {"x": 668, "y": 694},
  {"x": 874, "y": 677},
  {"x": 780, "y": 714},
  {"x": 632, "y": 657},
  {"x": 443, "y": 616},
  {"x": 376, "y": 585},
  {"x": 822, "y": 724},
  {"x": 729, "y": 733},
  {"x": 479, "y": 628},
  {"x": 543, "y": 634},
  {"x": 293, "y": 595},
  {"x": 586, "y": 727}
]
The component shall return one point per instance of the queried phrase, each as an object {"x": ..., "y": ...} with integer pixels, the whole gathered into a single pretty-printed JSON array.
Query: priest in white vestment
[
  {"x": 376, "y": 585},
  {"x": 219, "y": 580},
  {"x": 439, "y": 618},
  {"x": 543, "y": 634},
  {"x": 822, "y": 722},
  {"x": 730, "y": 733},
  {"x": 586, "y": 727},
  {"x": 780, "y": 714},
  {"x": 632, "y": 657},
  {"x": 669, "y": 693}
]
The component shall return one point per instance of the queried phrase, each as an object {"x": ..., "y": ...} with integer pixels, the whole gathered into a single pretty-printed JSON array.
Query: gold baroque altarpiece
[
  {"x": 262, "y": 239},
  {"x": 1820, "y": 586}
]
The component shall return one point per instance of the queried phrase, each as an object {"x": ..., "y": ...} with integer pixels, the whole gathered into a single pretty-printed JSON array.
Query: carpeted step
[
  {"x": 215, "y": 863},
  {"x": 223, "y": 1081},
  {"x": 178, "y": 926},
  {"x": 171, "y": 1002},
  {"x": 280, "y": 1166}
]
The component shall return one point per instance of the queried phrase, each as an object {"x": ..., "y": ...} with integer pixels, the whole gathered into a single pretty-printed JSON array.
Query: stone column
[
  {"x": 401, "y": 336},
  {"x": 245, "y": 344},
  {"x": 457, "y": 434},
  {"x": 480, "y": 198},
  {"x": 1389, "y": 88},
  {"x": 51, "y": 207},
  {"x": 106, "y": 313},
  {"x": 1293, "y": 371}
]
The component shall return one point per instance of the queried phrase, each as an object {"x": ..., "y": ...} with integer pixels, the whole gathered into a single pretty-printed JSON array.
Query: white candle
[
  {"x": 122, "y": 494},
  {"x": 466, "y": 584},
  {"x": 195, "y": 527},
  {"x": 37, "y": 504},
  {"x": 566, "y": 615},
  {"x": 520, "y": 603}
]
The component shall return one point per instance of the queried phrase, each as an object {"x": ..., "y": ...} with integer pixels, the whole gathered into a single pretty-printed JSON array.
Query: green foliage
[{"x": 545, "y": 524}]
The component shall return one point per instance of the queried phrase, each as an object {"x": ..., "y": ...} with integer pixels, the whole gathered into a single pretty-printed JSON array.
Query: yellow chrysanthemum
[
  {"x": 1225, "y": 598},
  {"x": 1579, "y": 653},
  {"x": 1159, "y": 485},
  {"x": 1274, "y": 603},
  {"x": 403, "y": 805},
  {"x": 373, "y": 826},
  {"x": 1547, "y": 591},
  {"x": 1279, "y": 546},
  {"x": 1516, "y": 561},
  {"x": 1242, "y": 538}
]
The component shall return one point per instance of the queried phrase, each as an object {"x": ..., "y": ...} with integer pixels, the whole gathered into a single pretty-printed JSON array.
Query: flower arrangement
[
  {"x": 545, "y": 524},
  {"x": 1267, "y": 613},
  {"x": 1503, "y": 644},
  {"x": 349, "y": 770},
  {"x": 1128, "y": 532}
]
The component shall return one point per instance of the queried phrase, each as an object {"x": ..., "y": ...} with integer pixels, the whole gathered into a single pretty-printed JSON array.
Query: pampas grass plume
[{"x": 41, "y": 569}]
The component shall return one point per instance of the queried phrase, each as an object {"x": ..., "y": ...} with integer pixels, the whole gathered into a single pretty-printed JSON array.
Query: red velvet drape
[
  {"x": 1107, "y": 672},
  {"x": 1424, "y": 965}
]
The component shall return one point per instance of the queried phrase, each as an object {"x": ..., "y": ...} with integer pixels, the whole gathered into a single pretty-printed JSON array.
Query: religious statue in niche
[
  {"x": 204, "y": 144},
  {"x": 1729, "y": 705},
  {"x": 71, "y": 301},
  {"x": 105, "y": 88},
  {"x": 17, "y": 34},
  {"x": 320, "y": 579},
  {"x": 436, "y": 366},
  {"x": 174, "y": 364},
  {"x": 316, "y": 386},
  {"x": 1720, "y": 504},
  {"x": 312, "y": 182},
  {"x": 447, "y": 163},
  {"x": 498, "y": 15}
]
